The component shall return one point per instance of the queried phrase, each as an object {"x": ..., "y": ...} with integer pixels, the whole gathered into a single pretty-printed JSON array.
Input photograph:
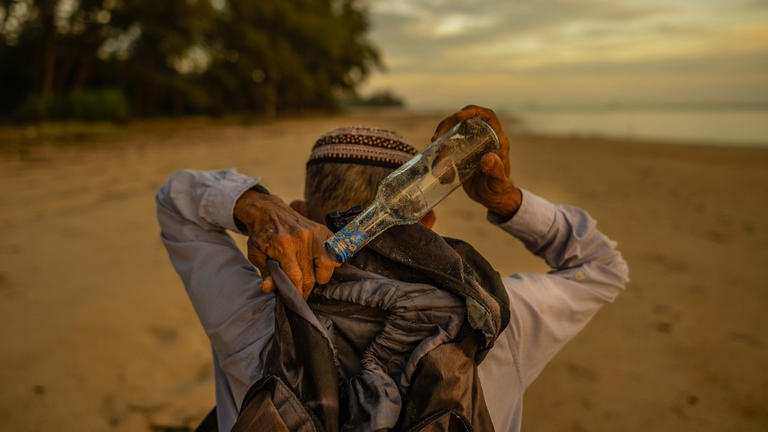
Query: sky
[{"x": 512, "y": 53}]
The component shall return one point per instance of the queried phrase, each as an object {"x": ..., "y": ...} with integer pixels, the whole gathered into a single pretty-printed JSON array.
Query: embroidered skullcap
[{"x": 362, "y": 145}]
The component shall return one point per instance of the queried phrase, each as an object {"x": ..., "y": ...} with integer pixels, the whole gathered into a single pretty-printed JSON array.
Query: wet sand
[{"x": 98, "y": 333}]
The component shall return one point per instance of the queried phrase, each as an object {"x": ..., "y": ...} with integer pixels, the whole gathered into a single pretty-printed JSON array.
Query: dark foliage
[
  {"x": 86, "y": 105},
  {"x": 178, "y": 56},
  {"x": 383, "y": 98}
]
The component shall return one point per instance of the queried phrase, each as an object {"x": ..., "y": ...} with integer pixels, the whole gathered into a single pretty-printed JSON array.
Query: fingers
[
  {"x": 282, "y": 234},
  {"x": 468, "y": 111},
  {"x": 492, "y": 166},
  {"x": 324, "y": 264},
  {"x": 324, "y": 268},
  {"x": 302, "y": 257},
  {"x": 268, "y": 284},
  {"x": 292, "y": 269},
  {"x": 305, "y": 259},
  {"x": 286, "y": 249},
  {"x": 281, "y": 250},
  {"x": 259, "y": 259},
  {"x": 486, "y": 115},
  {"x": 445, "y": 125}
]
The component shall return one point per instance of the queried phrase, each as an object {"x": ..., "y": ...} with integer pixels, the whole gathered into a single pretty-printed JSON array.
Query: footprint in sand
[{"x": 163, "y": 334}]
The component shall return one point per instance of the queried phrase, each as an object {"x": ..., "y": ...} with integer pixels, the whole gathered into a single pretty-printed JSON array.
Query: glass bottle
[{"x": 409, "y": 192}]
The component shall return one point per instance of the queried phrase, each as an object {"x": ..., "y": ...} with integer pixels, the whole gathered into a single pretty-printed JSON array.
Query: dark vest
[{"x": 391, "y": 343}]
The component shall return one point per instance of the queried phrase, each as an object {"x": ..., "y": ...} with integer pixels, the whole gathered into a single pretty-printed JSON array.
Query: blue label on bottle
[{"x": 346, "y": 242}]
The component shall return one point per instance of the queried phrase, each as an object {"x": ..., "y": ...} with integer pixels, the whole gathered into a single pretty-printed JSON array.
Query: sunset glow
[{"x": 506, "y": 53}]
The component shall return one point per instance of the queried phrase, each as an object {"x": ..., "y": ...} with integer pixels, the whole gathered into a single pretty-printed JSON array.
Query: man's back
[
  {"x": 546, "y": 310},
  {"x": 237, "y": 307}
]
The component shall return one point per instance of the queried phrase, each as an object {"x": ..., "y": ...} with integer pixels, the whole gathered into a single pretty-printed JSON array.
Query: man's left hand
[{"x": 278, "y": 232}]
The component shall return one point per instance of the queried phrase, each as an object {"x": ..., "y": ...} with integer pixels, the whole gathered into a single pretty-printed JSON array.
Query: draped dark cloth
[{"x": 392, "y": 342}]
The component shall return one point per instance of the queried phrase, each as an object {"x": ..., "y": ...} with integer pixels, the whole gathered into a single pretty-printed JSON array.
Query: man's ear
[
  {"x": 301, "y": 207},
  {"x": 429, "y": 219}
]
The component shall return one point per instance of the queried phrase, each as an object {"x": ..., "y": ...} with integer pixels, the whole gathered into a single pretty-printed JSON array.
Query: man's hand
[
  {"x": 276, "y": 231},
  {"x": 490, "y": 186}
]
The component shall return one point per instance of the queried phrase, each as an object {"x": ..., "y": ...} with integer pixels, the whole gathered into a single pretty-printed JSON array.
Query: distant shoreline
[
  {"x": 728, "y": 127},
  {"x": 516, "y": 123}
]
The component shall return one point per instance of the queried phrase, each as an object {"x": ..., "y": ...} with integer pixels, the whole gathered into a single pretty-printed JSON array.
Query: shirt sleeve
[
  {"x": 194, "y": 209},
  {"x": 548, "y": 310}
]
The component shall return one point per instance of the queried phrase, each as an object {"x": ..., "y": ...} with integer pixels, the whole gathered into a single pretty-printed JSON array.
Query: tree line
[{"x": 59, "y": 58}]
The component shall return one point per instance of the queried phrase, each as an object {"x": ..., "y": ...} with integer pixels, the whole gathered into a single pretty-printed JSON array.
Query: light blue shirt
[{"x": 195, "y": 208}]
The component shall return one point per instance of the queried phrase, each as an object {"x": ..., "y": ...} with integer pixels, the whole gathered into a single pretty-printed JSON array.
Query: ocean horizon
[
  {"x": 732, "y": 125},
  {"x": 717, "y": 124}
]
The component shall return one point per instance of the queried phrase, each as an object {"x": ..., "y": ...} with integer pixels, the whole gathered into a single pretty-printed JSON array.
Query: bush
[
  {"x": 84, "y": 105},
  {"x": 34, "y": 108},
  {"x": 382, "y": 98}
]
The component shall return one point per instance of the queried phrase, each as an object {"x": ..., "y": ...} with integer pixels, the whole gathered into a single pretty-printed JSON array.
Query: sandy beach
[{"x": 98, "y": 333}]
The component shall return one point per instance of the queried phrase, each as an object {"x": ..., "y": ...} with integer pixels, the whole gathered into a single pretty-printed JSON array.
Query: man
[{"x": 234, "y": 302}]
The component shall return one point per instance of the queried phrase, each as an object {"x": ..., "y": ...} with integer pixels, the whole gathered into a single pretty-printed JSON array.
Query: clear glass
[{"x": 408, "y": 194}]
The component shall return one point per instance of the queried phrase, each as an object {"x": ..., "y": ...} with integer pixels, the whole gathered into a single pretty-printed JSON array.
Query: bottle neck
[
  {"x": 374, "y": 219},
  {"x": 359, "y": 232}
]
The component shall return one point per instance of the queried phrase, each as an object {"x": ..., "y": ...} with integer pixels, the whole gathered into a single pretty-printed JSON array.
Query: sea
[{"x": 721, "y": 125}]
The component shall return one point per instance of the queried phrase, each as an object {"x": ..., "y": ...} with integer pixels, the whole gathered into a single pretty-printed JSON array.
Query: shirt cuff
[
  {"x": 532, "y": 221},
  {"x": 218, "y": 204}
]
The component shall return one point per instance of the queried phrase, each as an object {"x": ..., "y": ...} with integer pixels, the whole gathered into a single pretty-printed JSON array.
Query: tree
[
  {"x": 185, "y": 56},
  {"x": 286, "y": 55}
]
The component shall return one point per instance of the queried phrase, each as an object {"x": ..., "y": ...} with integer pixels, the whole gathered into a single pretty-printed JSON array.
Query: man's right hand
[
  {"x": 491, "y": 185},
  {"x": 276, "y": 231}
]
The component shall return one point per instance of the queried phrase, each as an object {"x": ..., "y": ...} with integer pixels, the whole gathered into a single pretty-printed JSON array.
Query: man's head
[{"x": 346, "y": 166}]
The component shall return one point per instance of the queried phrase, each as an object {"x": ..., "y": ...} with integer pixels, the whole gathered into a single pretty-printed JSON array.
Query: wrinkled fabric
[
  {"x": 303, "y": 357},
  {"x": 414, "y": 253},
  {"x": 378, "y": 330},
  {"x": 414, "y": 315},
  {"x": 416, "y": 319}
]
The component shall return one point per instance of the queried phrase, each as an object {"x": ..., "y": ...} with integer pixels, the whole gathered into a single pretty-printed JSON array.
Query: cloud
[
  {"x": 430, "y": 31},
  {"x": 479, "y": 44},
  {"x": 698, "y": 80},
  {"x": 400, "y": 20},
  {"x": 757, "y": 4}
]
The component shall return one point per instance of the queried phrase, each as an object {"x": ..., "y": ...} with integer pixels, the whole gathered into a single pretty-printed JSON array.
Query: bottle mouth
[
  {"x": 345, "y": 243},
  {"x": 333, "y": 249},
  {"x": 491, "y": 130}
]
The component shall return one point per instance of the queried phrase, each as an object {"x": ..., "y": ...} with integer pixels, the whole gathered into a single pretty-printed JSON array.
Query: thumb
[
  {"x": 492, "y": 166},
  {"x": 268, "y": 284},
  {"x": 259, "y": 259}
]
